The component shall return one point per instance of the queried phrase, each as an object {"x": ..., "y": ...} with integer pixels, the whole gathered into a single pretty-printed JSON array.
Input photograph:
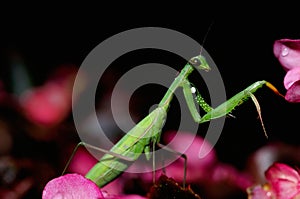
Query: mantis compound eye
[{"x": 195, "y": 62}]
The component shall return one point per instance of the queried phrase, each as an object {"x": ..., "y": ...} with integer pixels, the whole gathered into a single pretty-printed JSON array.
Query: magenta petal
[
  {"x": 228, "y": 174},
  {"x": 293, "y": 93},
  {"x": 259, "y": 192},
  {"x": 192, "y": 151},
  {"x": 71, "y": 186},
  {"x": 47, "y": 105},
  {"x": 197, "y": 167},
  {"x": 82, "y": 162},
  {"x": 283, "y": 172},
  {"x": 291, "y": 77},
  {"x": 284, "y": 180},
  {"x": 131, "y": 196},
  {"x": 285, "y": 189},
  {"x": 287, "y": 52}
]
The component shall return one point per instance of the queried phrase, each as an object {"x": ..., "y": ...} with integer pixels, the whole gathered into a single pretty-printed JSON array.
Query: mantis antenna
[{"x": 205, "y": 36}]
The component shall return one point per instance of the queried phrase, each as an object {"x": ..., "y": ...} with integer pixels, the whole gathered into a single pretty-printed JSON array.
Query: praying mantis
[{"x": 143, "y": 137}]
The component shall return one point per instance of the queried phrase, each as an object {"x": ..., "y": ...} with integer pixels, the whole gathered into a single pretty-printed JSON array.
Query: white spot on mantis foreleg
[{"x": 193, "y": 90}]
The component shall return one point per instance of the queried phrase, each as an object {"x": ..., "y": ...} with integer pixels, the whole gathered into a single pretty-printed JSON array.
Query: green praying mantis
[{"x": 146, "y": 134}]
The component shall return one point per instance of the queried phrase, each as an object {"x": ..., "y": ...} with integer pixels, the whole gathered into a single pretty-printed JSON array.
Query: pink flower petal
[
  {"x": 284, "y": 180},
  {"x": 197, "y": 167},
  {"x": 116, "y": 187},
  {"x": 46, "y": 105},
  {"x": 280, "y": 171},
  {"x": 260, "y": 192},
  {"x": 285, "y": 189},
  {"x": 82, "y": 162},
  {"x": 131, "y": 196},
  {"x": 49, "y": 104},
  {"x": 121, "y": 196},
  {"x": 293, "y": 93},
  {"x": 230, "y": 175},
  {"x": 71, "y": 186},
  {"x": 291, "y": 77},
  {"x": 287, "y": 52}
]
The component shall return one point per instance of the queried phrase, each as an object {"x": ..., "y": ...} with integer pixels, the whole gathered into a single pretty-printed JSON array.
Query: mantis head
[{"x": 199, "y": 62}]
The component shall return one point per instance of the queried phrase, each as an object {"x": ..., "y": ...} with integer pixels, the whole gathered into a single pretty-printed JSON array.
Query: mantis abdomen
[{"x": 130, "y": 147}]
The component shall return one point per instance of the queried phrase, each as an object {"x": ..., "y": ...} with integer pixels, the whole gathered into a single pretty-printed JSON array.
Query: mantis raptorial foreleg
[{"x": 226, "y": 107}]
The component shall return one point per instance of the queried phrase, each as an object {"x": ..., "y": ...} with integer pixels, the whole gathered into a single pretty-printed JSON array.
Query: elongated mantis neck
[{"x": 165, "y": 102}]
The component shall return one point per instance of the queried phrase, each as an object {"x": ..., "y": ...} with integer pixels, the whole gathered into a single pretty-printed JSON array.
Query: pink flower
[
  {"x": 82, "y": 162},
  {"x": 71, "y": 186},
  {"x": 197, "y": 168},
  {"x": 76, "y": 186},
  {"x": 202, "y": 170},
  {"x": 293, "y": 93},
  {"x": 283, "y": 182},
  {"x": 224, "y": 173},
  {"x": 216, "y": 178},
  {"x": 260, "y": 192},
  {"x": 130, "y": 196},
  {"x": 49, "y": 104},
  {"x": 287, "y": 51}
]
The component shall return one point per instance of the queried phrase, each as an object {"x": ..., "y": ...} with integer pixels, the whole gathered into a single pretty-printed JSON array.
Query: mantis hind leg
[
  {"x": 182, "y": 155},
  {"x": 94, "y": 148}
]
